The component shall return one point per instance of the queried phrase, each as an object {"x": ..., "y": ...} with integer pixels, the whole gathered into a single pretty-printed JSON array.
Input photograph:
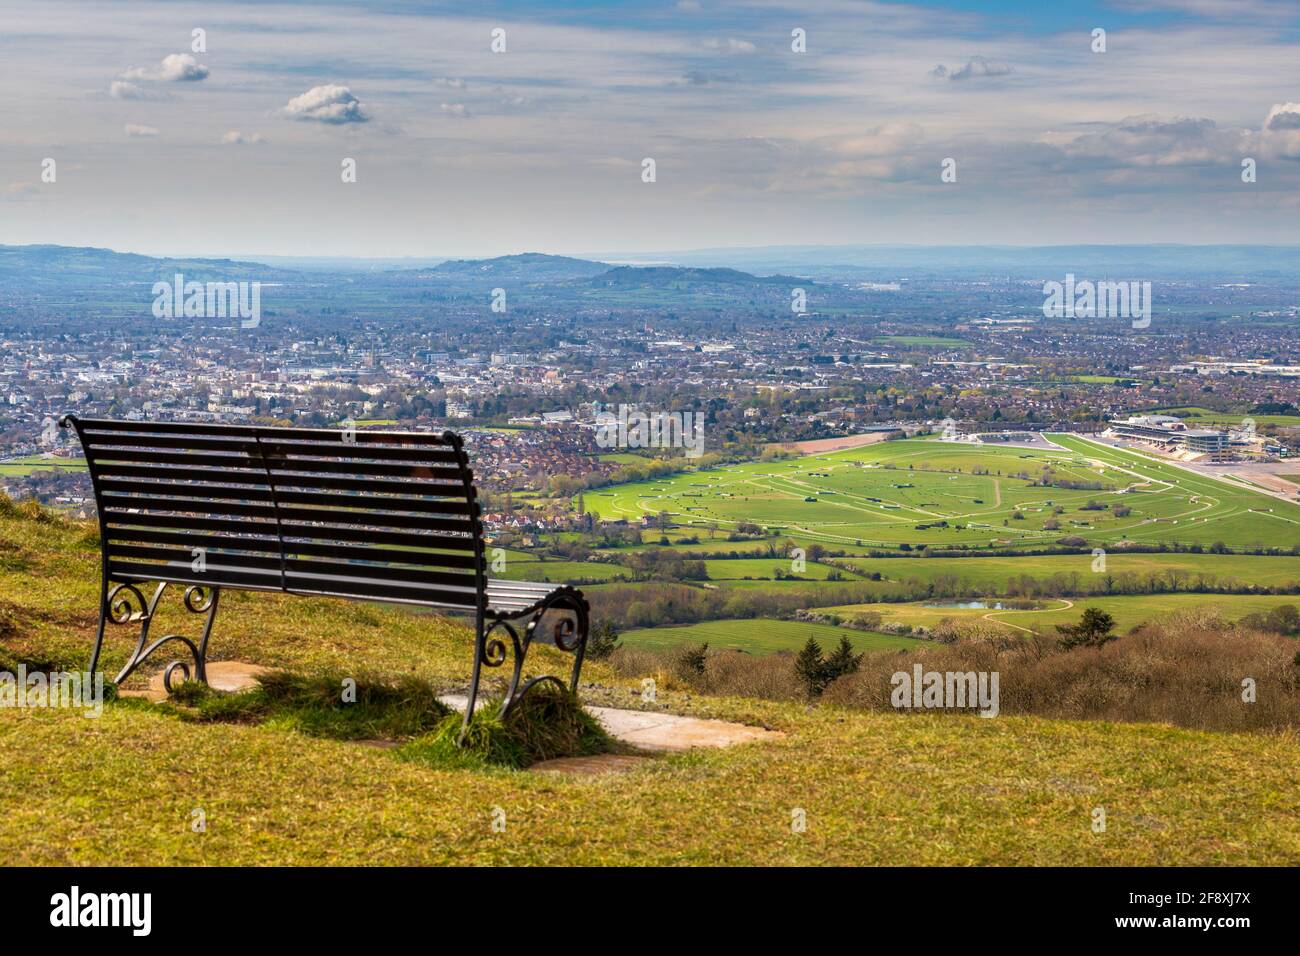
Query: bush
[
  {"x": 691, "y": 661},
  {"x": 1093, "y": 630},
  {"x": 1185, "y": 670}
]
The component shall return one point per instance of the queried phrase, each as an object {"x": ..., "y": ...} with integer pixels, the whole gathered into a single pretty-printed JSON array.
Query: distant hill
[
  {"x": 886, "y": 262},
  {"x": 671, "y": 277},
  {"x": 530, "y": 267},
  {"x": 87, "y": 265}
]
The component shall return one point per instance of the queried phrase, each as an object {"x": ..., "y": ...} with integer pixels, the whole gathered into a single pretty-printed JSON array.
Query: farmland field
[
  {"x": 767, "y": 569},
  {"x": 1128, "y": 611},
  {"x": 29, "y": 464},
  {"x": 924, "y": 491},
  {"x": 562, "y": 571},
  {"x": 990, "y": 575},
  {"x": 761, "y": 636}
]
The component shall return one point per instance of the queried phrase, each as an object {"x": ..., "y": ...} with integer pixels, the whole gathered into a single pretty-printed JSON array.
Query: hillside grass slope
[{"x": 876, "y": 788}]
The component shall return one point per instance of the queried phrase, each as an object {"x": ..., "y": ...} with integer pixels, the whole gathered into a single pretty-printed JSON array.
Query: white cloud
[
  {"x": 174, "y": 68},
  {"x": 1283, "y": 116},
  {"x": 133, "y": 129},
  {"x": 451, "y": 82},
  {"x": 236, "y": 138},
  {"x": 1154, "y": 141},
  {"x": 122, "y": 90},
  {"x": 330, "y": 103},
  {"x": 1281, "y": 133},
  {"x": 456, "y": 109}
]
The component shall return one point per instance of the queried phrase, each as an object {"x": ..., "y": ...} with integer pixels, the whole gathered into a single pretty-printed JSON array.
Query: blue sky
[{"x": 238, "y": 148}]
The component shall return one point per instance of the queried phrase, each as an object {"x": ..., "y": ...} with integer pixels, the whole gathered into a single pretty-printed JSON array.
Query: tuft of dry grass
[
  {"x": 729, "y": 673},
  {"x": 1190, "y": 670}
]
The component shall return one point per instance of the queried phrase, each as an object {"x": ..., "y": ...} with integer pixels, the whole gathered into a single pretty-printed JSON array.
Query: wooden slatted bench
[{"x": 360, "y": 514}]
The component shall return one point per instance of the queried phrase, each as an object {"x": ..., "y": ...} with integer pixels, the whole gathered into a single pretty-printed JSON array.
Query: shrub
[
  {"x": 1093, "y": 630},
  {"x": 691, "y": 661},
  {"x": 1185, "y": 670}
]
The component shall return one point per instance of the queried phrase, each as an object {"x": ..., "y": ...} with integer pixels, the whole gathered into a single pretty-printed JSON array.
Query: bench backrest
[{"x": 388, "y": 516}]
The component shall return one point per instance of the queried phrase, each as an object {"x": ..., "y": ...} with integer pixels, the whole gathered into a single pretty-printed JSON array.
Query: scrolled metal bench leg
[
  {"x": 569, "y": 634},
  {"x": 489, "y": 651},
  {"x": 125, "y": 604}
]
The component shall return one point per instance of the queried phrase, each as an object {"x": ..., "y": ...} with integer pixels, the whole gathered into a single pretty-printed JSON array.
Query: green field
[
  {"x": 1128, "y": 611},
  {"x": 30, "y": 464},
  {"x": 563, "y": 571},
  {"x": 766, "y": 569},
  {"x": 761, "y": 636},
  {"x": 949, "y": 493},
  {"x": 990, "y": 575}
]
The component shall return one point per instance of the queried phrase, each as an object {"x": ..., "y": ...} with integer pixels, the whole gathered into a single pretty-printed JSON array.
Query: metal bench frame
[{"x": 167, "y": 490}]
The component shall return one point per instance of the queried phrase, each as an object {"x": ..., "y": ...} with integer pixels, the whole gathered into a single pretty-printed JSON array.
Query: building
[{"x": 1170, "y": 434}]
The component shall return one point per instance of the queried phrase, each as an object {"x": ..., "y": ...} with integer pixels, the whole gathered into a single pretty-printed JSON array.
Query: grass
[
  {"x": 30, "y": 464},
  {"x": 547, "y": 723},
  {"x": 992, "y": 575},
  {"x": 563, "y": 571},
  {"x": 761, "y": 636},
  {"x": 1128, "y": 611},
  {"x": 766, "y": 569},
  {"x": 320, "y": 706},
  {"x": 927, "y": 492},
  {"x": 877, "y": 788}
]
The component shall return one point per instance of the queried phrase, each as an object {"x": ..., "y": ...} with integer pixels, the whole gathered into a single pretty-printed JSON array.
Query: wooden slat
[
  {"x": 363, "y": 436},
  {"x": 299, "y": 583},
  {"x": 172, "y": 473},
  {"x": 105, "y": 445},
  {"x": 119, "y": 504},
  {"x": 211, "y": 559},
  {"x": 378, "y": 502},
  {"x": 194, "y": 459},
  {"x": 125, "y": 487},
  {"x": 182, "y": 573},
  {"x": 293, "y": 467},
  {"x": 381, "y": 572},
  {"x": 433, "y": 559},
  {"x": 372, "y": 519},
  {"x": 117, "y": 537},
  {"x": 194, "y": 523},
  {"x": 296, "y": 529},
  {"x": 455, "y": 494}
]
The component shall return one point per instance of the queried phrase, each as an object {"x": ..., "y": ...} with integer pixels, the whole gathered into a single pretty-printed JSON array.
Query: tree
[
  {"x": 1093, "y": 630},
  {"x": 842, "y": 661},
  {"x": 810, "y": 667},
  {"x": 603, "y": 640}
]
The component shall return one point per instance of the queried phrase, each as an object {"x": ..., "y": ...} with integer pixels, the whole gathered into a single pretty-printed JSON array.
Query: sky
[{"x": 235, "y": 142}]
